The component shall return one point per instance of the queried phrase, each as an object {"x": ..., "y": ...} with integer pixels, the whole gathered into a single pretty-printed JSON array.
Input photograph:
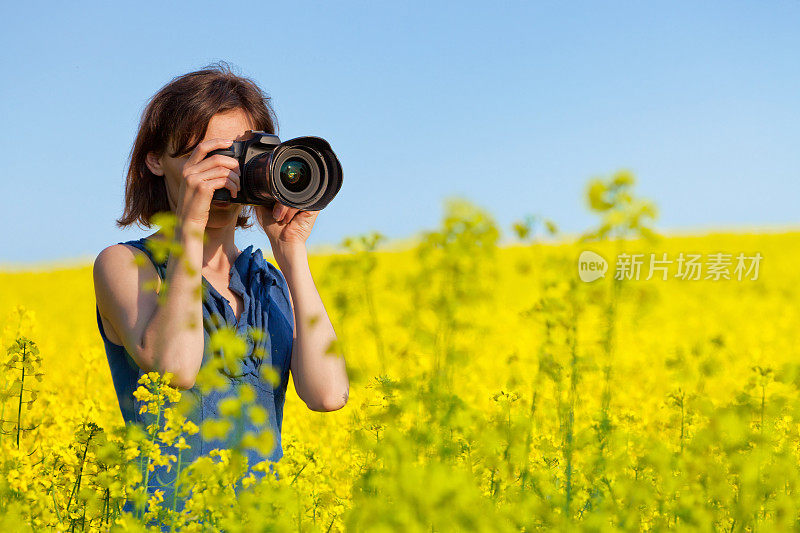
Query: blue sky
[{"x": 511, "y": 105}]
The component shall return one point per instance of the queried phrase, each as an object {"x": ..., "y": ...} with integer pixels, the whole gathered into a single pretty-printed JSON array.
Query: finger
[
  {"x": 213, "y": 184},
  {"x": 233, "y": 187},
  {"x": 216, "y": 160},
  {"x": 278, "y": 211},
  {"x": 217, "y": 172},
  {"x": 236, "y": 179},
  {"x": 201, "y": 150},
  {"x": 223, "y": 182},
  {"x": 287, "y": 217}
]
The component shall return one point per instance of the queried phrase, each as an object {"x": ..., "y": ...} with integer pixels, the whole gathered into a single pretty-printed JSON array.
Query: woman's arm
[
  {"x": 161, "y": 338},
  {"x": 320, "y": 378},
  {"x": 168, "y": 337},
  {"x": 176, "y": 331}
]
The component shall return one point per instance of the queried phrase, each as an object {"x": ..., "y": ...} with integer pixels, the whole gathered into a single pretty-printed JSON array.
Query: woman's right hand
[{"x": 201, "y": 177}]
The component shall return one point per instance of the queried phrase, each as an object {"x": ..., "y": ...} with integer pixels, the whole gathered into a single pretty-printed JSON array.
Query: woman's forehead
[
  {"x": 226, "y": 125},
  {"x": 229, "y": 125}
]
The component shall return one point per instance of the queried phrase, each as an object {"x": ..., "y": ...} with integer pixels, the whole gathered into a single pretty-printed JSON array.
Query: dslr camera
[{"x": 303, "y": 173}]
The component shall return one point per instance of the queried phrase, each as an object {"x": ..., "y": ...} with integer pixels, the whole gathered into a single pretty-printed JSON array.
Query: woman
[{"x": 189, "y": 117}]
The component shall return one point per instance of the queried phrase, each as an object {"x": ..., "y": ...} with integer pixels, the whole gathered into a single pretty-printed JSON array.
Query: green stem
[
  {"x": 55, "y": 506},
  {"x": 150, "y": 460},
  {"x": 21, "y": 390},
  {"x": 175, "y": 491},
  {"x": 529, "y": 438},
  {"x": 298, "y": 473},
  {"x": 106, "y": 506},
  {"x": 683, "y": 420},
  {"x": 77, "y": 486}
]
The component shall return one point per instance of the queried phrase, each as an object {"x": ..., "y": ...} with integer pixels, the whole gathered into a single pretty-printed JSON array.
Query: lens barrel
[{"x": 304, "y": 173}]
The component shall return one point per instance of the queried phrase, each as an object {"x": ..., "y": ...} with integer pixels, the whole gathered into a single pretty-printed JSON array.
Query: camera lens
[
  {"x": 304, "y": 173},
  {"x": 295, "y": 174}
]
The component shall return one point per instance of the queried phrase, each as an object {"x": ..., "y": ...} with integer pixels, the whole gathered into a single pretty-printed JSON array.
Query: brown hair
[{"x": 179, "y": 114}]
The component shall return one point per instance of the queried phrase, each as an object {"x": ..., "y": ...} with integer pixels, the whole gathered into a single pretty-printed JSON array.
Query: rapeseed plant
[{"x": 496, "y": 392}]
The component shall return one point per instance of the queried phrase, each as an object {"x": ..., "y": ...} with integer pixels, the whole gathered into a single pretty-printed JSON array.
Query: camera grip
[{"x": 222, "y": 194}]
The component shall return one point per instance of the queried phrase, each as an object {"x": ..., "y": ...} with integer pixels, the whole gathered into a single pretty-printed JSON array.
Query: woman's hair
[{"x": 178, "y": 116}]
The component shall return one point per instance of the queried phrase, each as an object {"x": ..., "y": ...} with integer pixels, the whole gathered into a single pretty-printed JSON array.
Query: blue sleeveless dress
[{"x": 267, "y": 307}]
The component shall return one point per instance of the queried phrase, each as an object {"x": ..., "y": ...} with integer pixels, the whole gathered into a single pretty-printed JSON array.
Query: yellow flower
[
  {"x": 247, "y": 393},
  {"x": 230, "y": 407},
  {"x": 257, "y": 414},
  {"x": 212, "y": 429}
]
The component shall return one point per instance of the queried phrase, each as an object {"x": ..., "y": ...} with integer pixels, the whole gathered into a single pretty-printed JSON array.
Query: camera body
[{"x": 303, "y": 173}]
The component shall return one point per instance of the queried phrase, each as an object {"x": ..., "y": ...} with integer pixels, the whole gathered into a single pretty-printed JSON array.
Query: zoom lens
[
  {"x": 304, "y": 173},
  {"x": 295, "y": 174}
]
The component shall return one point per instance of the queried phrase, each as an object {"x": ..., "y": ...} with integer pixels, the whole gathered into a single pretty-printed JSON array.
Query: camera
[{"x": 303, "y": 173}]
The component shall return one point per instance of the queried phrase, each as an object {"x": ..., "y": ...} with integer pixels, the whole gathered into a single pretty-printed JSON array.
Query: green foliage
[
  {"x": 623, "y": 214},
  {"x": 539, "y": 403},
  {"x": 23, "y": 361}
]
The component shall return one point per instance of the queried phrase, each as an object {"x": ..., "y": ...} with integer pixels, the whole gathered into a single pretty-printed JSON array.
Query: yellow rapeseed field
[{"x": 491, "y": 390}]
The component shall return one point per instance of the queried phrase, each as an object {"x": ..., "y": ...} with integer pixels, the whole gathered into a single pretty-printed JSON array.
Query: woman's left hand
[{"x": 285, "y": 226}]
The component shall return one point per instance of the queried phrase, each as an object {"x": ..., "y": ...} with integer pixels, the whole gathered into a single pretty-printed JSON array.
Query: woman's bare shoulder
[
  {"x": 121, "y": 257},
  {"x": 120, "y": 265}
]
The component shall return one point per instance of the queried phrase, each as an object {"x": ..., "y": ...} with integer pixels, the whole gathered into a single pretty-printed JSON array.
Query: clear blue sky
[{"x": 512, "y": 105}]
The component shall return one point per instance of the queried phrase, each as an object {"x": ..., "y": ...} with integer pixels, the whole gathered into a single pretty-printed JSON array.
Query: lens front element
[{"x": 295, "y": 174}]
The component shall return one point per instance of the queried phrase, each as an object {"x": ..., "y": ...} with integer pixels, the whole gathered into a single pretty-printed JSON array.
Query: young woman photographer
[{"x": 190, "y": 116}]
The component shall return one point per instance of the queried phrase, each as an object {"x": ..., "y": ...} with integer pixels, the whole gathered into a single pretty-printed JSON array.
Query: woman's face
[{"x": 228, "y": 125}]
